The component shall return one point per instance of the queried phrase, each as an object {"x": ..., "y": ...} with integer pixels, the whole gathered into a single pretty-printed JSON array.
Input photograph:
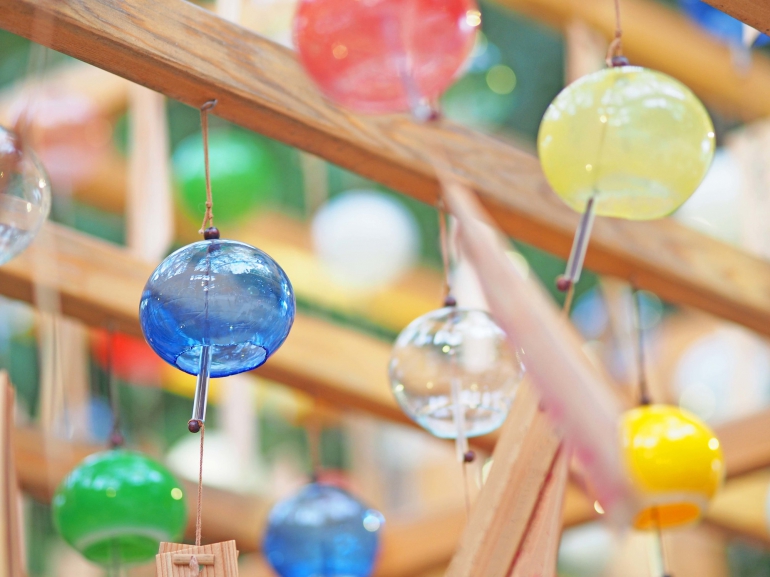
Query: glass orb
[
  {"x": 25, "y": 195},
  {"x": 221, "y": 293},
  {"x": 117, "y": 506},
  {"x": 638, "y": 139},
  {"x": 384, "y": 56},
  {"x": 322, "y": 531},
  {"x": 675, "y": 462},
  {"x": 460, "y": 349}
]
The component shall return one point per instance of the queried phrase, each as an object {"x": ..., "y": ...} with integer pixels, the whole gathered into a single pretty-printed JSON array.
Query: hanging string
[
  {"x": 449, "y": 300},
  {"x": 644, "y": 393},
  {"x": 208, "y": 217},
  {"x": 116, "y": 436},
  {"x": 615, "y": 50},
  {"x": 313, "y": 431}
]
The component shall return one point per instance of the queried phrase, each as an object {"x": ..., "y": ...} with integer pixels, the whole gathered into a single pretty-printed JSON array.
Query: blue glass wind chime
[{"x": 215, "y": 308}]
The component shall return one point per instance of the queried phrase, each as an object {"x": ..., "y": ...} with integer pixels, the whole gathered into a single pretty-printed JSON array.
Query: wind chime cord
[
  {"x": 208, "y": 217},
  {"x": 644, "y": 392},
  {"x": 444, "y": 240},
  {"x": 116, "y": 437},
  {"x": 616, "y": 46},
  {"x": 200, "y": 491}
]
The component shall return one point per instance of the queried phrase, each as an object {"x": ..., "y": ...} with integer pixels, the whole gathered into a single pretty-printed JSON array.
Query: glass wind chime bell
[
  {"x": 452, "y": 371},
  {"x": 25, "y": 195},
  {"x": 117, "y": 506},
  {"x": 322, "y": 531},
  {"x": 625, "y": 142},
  {"x": 674, "y": 460},
  {"x": 384, "y": 56},
  {"x": 216, "y": 308}
]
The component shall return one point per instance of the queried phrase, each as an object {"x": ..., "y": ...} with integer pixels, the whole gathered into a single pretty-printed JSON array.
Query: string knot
[
  {"x": 194, "y": 567},
  {"x": 208, "y": 217}
]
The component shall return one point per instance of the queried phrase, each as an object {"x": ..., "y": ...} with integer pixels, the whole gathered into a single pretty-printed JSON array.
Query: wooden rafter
[
  {"x": 189, "y": 54},
  {"x": 755, "y": 13},
  {"x": 43, "y": 462}
]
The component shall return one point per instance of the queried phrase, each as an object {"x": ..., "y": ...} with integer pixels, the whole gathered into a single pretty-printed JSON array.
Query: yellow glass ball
[
  {"x": 675, "y": 463},
  {"x": 638, "y": 139}
]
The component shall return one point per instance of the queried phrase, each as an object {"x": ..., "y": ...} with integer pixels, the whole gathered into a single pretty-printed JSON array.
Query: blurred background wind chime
[
  {"x": 214, "y": 308},
  {"x": 118, "y": 505}
]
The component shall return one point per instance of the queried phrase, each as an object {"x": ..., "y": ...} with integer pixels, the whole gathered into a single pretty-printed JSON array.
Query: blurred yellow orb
[
  {"x": 675, "y": 463},
  {"x": 638, "y": 139}
]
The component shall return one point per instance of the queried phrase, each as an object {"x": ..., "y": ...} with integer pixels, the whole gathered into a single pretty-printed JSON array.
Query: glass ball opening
[
  {"x": 25, "y": 195},
  {"x": 117, "y": 506},
  {"x": 675, "y": 463},
  {"x": 638, "y": 139},
  {"x": 384, "y": 56},
  {"x": 322, "y": 531},
  {"x": 225, "y": 294},
  {"x": 460, "y": 345}
]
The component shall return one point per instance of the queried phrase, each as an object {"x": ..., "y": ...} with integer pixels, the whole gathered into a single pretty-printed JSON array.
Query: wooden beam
[
  {"x": 755, "y": 13},
  {"x": 745, "y": 443},
  {"x": 189, "y": 54},
  {"x": 99, "y": 283},
  {"x": 658, "y": 37},
  {"x": 42, "y": 463}
]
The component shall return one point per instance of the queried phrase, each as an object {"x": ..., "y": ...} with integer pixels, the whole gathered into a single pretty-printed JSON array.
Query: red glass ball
[{"x": 380, "y": 56}]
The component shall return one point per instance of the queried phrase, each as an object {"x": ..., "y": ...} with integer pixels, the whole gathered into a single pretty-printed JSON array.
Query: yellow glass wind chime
[
  {"x": 633, "y": 143},
  {"x": 625, "y": 142}
]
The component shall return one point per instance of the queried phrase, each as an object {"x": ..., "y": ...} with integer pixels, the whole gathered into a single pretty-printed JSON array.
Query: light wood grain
[
  {"x": 189, "y": 54},
  {"x": 12, "y": 555},
  {"x": 523, "y": 458},
  {"x": 538, "y": 553},
  {"x": 755, "y": 13},
  {"x": 224, "y": 556}
]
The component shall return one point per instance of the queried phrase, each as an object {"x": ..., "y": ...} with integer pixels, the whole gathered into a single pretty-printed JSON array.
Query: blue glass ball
[
  {"x": 222, "y": 293},
  {"x": 322, "y": 531}
]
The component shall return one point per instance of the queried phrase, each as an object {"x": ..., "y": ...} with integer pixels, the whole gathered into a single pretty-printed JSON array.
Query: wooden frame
[{"x": 189, "y": 54}]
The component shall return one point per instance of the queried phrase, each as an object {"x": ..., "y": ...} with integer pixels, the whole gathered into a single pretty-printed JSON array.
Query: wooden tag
[{"x": 214, "y": 560}]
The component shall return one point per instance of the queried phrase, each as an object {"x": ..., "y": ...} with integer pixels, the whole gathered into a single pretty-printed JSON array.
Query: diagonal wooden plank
[
  {"x": 755, "y": 13},
  {"x": 189, "y": 54},
  {"x": 498, "y": 525},
  {"x": 538, "y": 553},
  {"x": 99, "y": 282}
]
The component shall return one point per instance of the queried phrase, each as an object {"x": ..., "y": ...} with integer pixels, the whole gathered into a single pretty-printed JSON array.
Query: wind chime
[
  {"x": 626, "y": 142},
  {"x": 25, "y": 193},
  {"x": 117, "y": 505},
  {"x": 213, "y": 308},
  {"x": 674, "y": 460}
]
